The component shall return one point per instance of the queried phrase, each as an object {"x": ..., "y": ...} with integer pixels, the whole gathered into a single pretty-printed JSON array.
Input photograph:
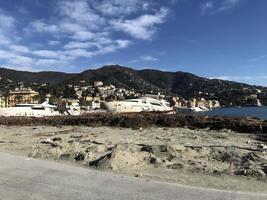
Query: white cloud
[
  {"x": 46, "y": 53},
  {"x": 6, "y": 22},
  {"x": 70, "y": 27},
  {"x": 42, "y": 27},
  {"x": 142, "y": 27},
  {"x": 248, "y": 79},
  {"x": 15, "y": 59},
  {"x": 19, "y": 48},
  {"x": 4, "y": 40},
  {"x": 21, "y": 60},
  {"x": 7, "y": 28},
  {"x": 76, "y": 53},
  {"x": 79, "y": 21},
  {"x": 144, "y": 59},
  {"x": 83, "y": 35},
  {"x": 115, "y": 45},
  {"x": 53, "y": 42},
  {"x": 119, "y": 7},
  {"x": 78, "y": 45},
  {"x": 215, "y": 6},
  {"x": 206, "y": 7},
  {"x": 77, "y": 29},
  {"x": 80, "y": 12},
  {"x": 50, "y": 62},
  {"x": 149, "y": 58}
]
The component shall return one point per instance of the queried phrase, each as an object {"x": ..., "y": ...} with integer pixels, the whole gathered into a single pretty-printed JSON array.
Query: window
[{"x": 155, "y": 104}]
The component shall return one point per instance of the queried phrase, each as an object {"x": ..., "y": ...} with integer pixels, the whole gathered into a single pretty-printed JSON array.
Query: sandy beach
[{"x": 218, "y": 159}]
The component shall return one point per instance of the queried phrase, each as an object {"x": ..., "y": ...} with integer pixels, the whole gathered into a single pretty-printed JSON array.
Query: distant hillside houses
[
  {"x": 180, "y": 102},
  {"x": 87, "y": 97}
]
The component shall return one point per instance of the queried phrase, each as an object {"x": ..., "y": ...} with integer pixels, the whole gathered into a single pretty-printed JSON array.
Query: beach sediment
[
  {"x": 221, "y": 159},
  {"x": 214, "y": 151}
]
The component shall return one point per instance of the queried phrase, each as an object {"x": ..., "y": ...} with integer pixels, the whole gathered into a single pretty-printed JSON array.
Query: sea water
[{"x": 260, "y": 112}]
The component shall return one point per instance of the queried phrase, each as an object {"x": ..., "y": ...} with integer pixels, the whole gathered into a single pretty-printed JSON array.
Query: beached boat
[
  {"x": 31, "y": 110},
  {"x": 192, "y": 109},
  {"x": 143, "y": 104}
]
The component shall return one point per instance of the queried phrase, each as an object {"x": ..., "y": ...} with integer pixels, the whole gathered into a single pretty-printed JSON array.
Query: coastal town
[
  {"x": 84, "y": 98},
  {"x": 91, "y": 97}
]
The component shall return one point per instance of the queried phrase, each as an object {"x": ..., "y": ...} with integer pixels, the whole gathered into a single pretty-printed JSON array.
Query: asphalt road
[{"x": 22, "y": 178}]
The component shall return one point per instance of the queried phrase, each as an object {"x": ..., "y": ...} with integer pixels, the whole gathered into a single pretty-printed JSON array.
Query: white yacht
[
  {"x": 30, "y": 110},
  {"x": 192, "y": 109},
  {"x": 143, "y": 104}
]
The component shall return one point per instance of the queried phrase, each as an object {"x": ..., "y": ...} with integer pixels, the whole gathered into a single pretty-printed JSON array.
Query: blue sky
[{"x": 213, "y": 38}]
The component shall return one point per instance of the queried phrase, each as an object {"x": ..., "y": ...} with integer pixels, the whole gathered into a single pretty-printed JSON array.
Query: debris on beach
[{"x": 131, "y": 151}]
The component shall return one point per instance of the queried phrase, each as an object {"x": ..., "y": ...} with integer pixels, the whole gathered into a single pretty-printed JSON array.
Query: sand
[{"x": 218, "y": 159}]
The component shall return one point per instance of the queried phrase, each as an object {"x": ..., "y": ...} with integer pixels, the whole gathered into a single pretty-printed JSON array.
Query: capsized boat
[
  {"x": 142, "y": 104},
  {"x": 30, "y": 110}
]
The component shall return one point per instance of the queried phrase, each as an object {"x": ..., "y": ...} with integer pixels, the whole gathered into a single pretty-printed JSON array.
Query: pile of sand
[
  {"x": 218, "y": 160},
  {"x": 166, "y": 154}
]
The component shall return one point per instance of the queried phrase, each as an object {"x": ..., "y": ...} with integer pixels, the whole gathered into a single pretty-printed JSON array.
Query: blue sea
[{"x": 260, "y": 112}]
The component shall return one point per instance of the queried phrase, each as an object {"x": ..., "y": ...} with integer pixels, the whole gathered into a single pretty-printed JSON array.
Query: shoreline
[{"x": 145, "y": 120}]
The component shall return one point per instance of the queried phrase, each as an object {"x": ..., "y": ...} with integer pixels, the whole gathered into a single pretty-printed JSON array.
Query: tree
[
  {"x": 18, "y": 99},
  {"x": 69, "y": 92},
  {"x": 39, "y": 98},
  {"x": 53, "y": 100}
]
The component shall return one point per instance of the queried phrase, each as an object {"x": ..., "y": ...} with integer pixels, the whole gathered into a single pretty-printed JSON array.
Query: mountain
[
  {"x": 34, "y": 77},
  {"x": 183, "y": 84}
]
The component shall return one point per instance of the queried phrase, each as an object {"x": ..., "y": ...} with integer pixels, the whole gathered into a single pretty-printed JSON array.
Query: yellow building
[{"x": 21, "y": 96}]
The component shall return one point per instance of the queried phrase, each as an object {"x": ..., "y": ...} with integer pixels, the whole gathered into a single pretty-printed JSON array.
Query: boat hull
[
  {"x": 129, "y": 107},
  {"x": 29, "y": 112}
]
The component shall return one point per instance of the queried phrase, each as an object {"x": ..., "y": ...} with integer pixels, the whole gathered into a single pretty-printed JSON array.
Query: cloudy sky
[{"x": 211, "y": 38}]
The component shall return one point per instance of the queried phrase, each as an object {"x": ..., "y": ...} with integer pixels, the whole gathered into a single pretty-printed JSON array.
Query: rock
[
  {"x": 216, "y": 172},
  {"x": 76, "y": 136},
  {"x": 251, "y": 156},
  {"x": 49, "y": 141},
  {"x": 176, "y": 166},
  {"x": 138, "y": 175},
  {"x": 79, "y": 156},
  {"x": 227, "y": 130},
  {"x": 264, "y": 168},
  {"x": 249, "y": 166},
  {"x": 262, "y": 147},
  {"x": 154, "y": 160},
  {"x": 251, "y": 171},
  {"x": 57, "y": 139}
]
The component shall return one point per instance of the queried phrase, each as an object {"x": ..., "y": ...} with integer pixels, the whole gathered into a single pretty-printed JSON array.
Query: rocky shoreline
[{"x": 144, "y": 120}]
